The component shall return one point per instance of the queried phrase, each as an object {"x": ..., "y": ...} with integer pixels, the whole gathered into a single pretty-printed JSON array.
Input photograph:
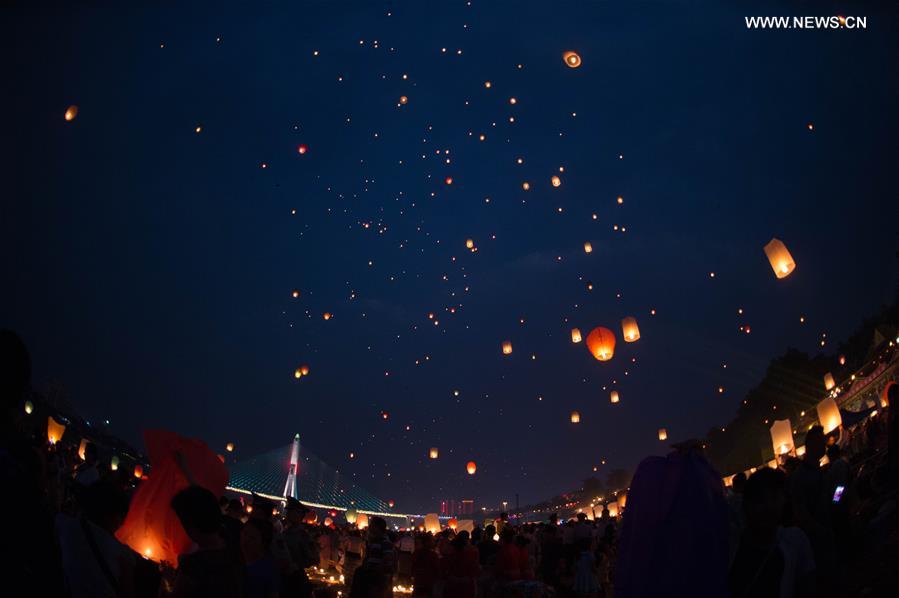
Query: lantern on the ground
[
  {"x": 829, "y": 415},
  {"x": 507, "y": 347},
  {"x": 779, "y": 257},
  {"x": 630, "y": 330},
  {"x": 572, "y": 59},
  {"x": 575, "y": 417},
  {"x": 601, "y": 343},
  {"x": 433, "y": 453},
  {"x": 663, "y": 434},
  {"x": 55, "y": 430},
  {"x": 614, "y": 396},
  {"x": 829, "y": 381},
  {"x": 471, "y": 467},
  {"x": 782, "y": 437},
  {"x": 575, "y": 335}
]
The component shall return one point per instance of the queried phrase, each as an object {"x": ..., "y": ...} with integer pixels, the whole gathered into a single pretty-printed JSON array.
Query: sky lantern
[
  {"x": 302, "y": 148},
  {"x": 601, "y": 343},
  {"x": 829, "y": 381},
  {"x": 588, "y": 247},
  {"x": 556, "y": 181},
  {"x": 404, "y": 100},
  {"x": 575, "y": 335},
  {"x": 114, "y": 463},
  {"x": 351, "y": 515},
  {"x": 525, "y": 185},
  {"x": 782, "y": 437},
  {"x": 507, "y": 347},
  {"x": 229, "y": 447},
  {"x": 390, "y": 503},
  {"x": 471, "y": 468},
  {"x": 622, "y": 500},
  {"x": 779, "y": 257},
  {"x": 663, "y": 434},
  {"x": 613, "y": 509},
  {"x": 572, "y": 59},
  {"x": 453, "y": 523},
  {"x": 469, "y": 243},
  {"x": 614, "y": 396},
  {"x": 138, "y": 471},
  {"x": 295, "y": 294},
  {"x": 433, "y": 453},
  {"x": 328, "y": 522},
  {"x": 326, "y": 316},
  {"x": 82, "y": 447},
  {"x": 829, "y": 415},
  {"x": 29, "y": 407},
  {"x": 55, "y": 430},
  {"x": 842, "y": 360},
  {"x": 71, "y": 112},
  {"x": 432, "y": 523},
  {"x": 448, "y": 180},
  {"x": 575, "y": 417},
  {"x": 629, "y": 329},
  {"x": 362, "y": 521}
]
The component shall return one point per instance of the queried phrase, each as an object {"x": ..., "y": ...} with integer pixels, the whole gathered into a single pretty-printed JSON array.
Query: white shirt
[{"x": 799, "y": 560}]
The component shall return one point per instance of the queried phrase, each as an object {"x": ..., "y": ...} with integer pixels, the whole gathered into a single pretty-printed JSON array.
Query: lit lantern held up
[
  {"x": 432, "y": 523},
  {"x": 782, "y": 437},
  {"x": 55, "y": 430},
  {"x": 351, "y": 515},
  {"x": 452, "y": 523},
  {"x": 630, "y": 330},
  {"x": 779, "y": 257},
  {"x": 829, "y": 415},
  {"x": 601, "y": 343}
]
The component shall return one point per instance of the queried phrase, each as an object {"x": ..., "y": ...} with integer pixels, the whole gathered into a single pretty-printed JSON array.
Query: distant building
[{"x": 453, "y": 507}]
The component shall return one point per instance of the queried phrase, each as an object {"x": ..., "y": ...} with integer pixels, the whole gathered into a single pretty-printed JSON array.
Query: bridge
[{"x": 294, "y": 470}]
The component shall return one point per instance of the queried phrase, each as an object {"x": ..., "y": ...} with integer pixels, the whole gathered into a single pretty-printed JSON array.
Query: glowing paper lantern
[
  {"x": 328, "y": 522},
  {"x": 82, "y": 446},
  {"x": 613, "y": 509},
  {"x": 575, "y": 417},
  {"x": 779, "y": 257},
  {"x": 630, "y": 330},
  {"x": 229, "y": 447},
  {"x": 114, "y": 463},
  {"x": 885, "y": 395},
  {"x": 138, "y": 471},
  {"x": 55, "y": 430},
  {"x": 622, "y": 500},
  {"x": 362, "y": 521},
  {"x": 556, "y": 181},
  {"x": 433, "y": 453},
  {"x": 469, "y": 243},
  {"x": 601, "y": 343},
  {"x": 390, "y": 503},
  {"x": 71, "y": 112},
  {"x": 614, "y": 396},
  {"x": 588, "y": 247},
  {"x": 29, "y": 407},
  {"x": 782, "y": 437},
  {"x": 326, "y": 316},
  {"x": 465, "y": 525},
  {"x": 829, "y": 415},
  {"x": 507, "y": 347},
  {"x": 572, "y": 59},
  {"x": 302, "y": 148},
  {"x": 404, "y": 100},
  {"x": 829, "y": 381},
  {"x": 351, "y": 516},
  {"x": 471, "y": 467},
  {"x": 432, "y": 523},
  {"x": 575, "y": 335},
  {"x": 663, "y": 434},
  {"x": 452, "y": 523}
]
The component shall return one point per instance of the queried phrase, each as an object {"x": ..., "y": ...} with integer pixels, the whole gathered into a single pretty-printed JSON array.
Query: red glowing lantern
[
  {"x": 302, "y": 148},
  {"x": 601, "y": 343},
  {"x": 471, "y": 467}
]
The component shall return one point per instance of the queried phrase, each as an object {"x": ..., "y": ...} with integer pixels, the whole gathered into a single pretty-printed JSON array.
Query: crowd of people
[{"x": 800, "y": 529}]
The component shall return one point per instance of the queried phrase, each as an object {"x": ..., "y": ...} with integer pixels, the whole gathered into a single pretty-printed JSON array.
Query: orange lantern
[
  {"x": 138, "y": 471},
  {"x": 613, "y": 509},
  {"x": 829, "y": 415},
  {"x": 404, "y": 100},
  {"x": 452, "y": 523},
  {"x": 507, "y": 347},
  {"x": 469, "y": 243},
  {"x": 829, "y": 381},
  {"x": 362, "y": 521},
  {"x": 575, "y": 417},
  {"x": 575, "y": 335},
  {"x": 229, "y": 447},
  {"x": 82, "y": 447},
  {"x": 601, "y": 343},
  {"x": 471, "y": 467},
  {"x": 622, "y": 500},
  {"x": 782, "y": 437},
  {"x": 779, "y": 257},
  {"x": 326, "y": 316},
  {"x": 55, "y": 430},
  {"x": 572, "y": 59},
  {"x": 630, "y": 330},
  {"x": 885, "y": 394},
  {"x": 663, "y": 434},
  {"x": 71, "y": 112},
  {"x": 614, "y": 396},
  {"x": 588, "y": 247},
  {"x": 433, "y": 453},
  {"x": 556, "y": 181},
  {"x": 390, "y": 503}
]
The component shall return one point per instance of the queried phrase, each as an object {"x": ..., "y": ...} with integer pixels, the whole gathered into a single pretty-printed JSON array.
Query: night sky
[{"x": 150, "y": 267}]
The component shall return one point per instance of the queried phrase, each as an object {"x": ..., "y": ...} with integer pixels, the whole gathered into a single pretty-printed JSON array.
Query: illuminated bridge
[{"x": 315, "y": 484}]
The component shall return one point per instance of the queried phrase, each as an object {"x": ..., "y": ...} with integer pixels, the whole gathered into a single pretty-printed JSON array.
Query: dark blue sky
[{"x": 150, "y": 268}]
